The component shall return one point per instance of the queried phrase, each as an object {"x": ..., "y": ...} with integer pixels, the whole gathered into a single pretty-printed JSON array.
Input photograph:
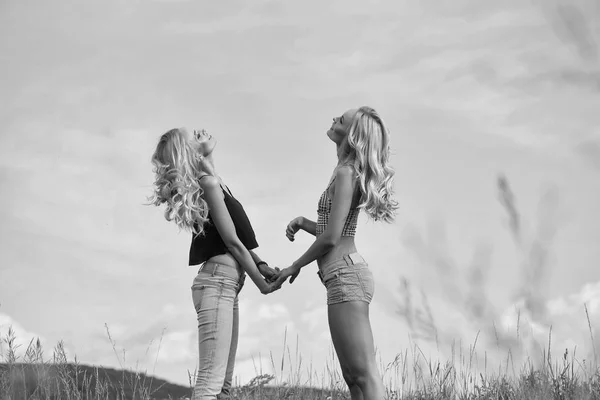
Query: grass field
[{"x": 561, "y": 378}]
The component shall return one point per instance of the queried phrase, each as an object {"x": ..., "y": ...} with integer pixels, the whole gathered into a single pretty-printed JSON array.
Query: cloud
[
  {"x": 272, "y": 311},
  {"x": 315, "y": 319},
  {"x": 253, "y": 339},
  {"x": 175, "y": 347},
  {"x": 19, "y": 339},
  {"x": 567, "y": 324},
  {"x": 512, "y": 334},
  {"x": 465, "y": 307},
  {"x": 165, "y": 347}
]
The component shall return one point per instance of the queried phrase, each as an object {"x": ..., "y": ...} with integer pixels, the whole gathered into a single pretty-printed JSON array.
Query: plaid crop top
[{"x": 324, "y": 209}]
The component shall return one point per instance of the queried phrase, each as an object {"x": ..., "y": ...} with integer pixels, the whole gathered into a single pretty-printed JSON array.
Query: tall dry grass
[{"x": 414, "y": 377}]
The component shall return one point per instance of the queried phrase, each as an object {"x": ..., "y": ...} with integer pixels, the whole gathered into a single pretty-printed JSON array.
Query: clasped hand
[
  {"x": 270, "y": 275},
  {"x": 276, "y": 277},
  {"x": 291, "y": 271}
]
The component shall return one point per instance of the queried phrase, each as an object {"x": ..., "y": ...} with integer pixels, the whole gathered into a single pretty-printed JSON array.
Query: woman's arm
[
  {"x": 340, "y": 207},
  {"x": 255, "y": 257},
  {"x": 300, "y": 223},
  {"x": 224, "y": 224},
  {"x": 263, "y": 267},
  {"x": 308, "y": 226}
]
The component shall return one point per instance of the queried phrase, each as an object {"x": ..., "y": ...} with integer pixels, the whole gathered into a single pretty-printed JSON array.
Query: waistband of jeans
[
  {"x": 346, "y": 260},
  {"x": 218, "y": 269}
]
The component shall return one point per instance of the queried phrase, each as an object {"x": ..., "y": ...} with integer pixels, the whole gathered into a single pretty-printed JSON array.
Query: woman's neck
[{"x": 339, "y": 150}]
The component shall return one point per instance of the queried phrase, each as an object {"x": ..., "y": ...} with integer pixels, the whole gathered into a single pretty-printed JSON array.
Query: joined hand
[
  {"x": 271, "y": 287},
  {"x": 287, "y": 272},
  {"x": 269, "y": 273}
]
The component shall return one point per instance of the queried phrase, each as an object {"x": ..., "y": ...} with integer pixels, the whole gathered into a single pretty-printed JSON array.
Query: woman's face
[
  {"x": 340, "y": 127},
  {"x": 200, "y": 140}
]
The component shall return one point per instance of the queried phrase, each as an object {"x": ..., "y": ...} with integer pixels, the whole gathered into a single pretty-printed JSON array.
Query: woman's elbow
[
  {"x": 233, "y": 245},
  {"x": 330, "y": 241}
]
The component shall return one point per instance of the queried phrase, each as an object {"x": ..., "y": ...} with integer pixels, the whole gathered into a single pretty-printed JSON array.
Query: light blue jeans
[{"x": 215, "y": 294}]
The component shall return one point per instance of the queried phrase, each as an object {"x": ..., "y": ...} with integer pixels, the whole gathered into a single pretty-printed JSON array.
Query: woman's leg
[
  {"x": 353, "y": 342},
  {"x": 226, "y": 390},
  {"x": 214, "y": 307}
]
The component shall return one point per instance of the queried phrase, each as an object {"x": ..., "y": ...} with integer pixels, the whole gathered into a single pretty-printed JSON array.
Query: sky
[{"x": 471, "y": 91}]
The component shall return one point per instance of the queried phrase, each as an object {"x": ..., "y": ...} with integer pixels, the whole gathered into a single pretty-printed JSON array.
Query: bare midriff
[
  {"x": 225, "y": 259},
  {"x": 344, "y": 246}
]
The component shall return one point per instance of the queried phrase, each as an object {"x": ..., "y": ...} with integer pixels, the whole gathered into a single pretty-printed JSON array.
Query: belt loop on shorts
[
  {"x": 347, "y": 259},
  {"x": 214, "y": 271},
  {"x": 355, "y": 258}
]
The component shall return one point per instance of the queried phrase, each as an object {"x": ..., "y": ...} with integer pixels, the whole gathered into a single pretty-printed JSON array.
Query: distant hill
[{"x": 58, "y": 381}]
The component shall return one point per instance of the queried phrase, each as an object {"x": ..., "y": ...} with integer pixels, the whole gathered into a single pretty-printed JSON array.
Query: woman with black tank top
[
  {"x": 362, "y": 180},
  {"x": 222, "y": 244}
]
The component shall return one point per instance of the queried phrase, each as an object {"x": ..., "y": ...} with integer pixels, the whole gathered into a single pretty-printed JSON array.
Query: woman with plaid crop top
[{"x": 362, "y": 180}]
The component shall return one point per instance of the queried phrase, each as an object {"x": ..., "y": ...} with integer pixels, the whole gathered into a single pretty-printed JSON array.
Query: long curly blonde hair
[
  {"x": 366, "y": 148},
  {"x": 176, "y": 184}
]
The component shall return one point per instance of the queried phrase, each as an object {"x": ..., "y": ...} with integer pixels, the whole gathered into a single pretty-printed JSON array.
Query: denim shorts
[{"x": 347, "y": 279}]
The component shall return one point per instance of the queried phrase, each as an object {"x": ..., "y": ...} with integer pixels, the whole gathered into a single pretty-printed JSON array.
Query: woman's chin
[{"x": 212, "y": 148}]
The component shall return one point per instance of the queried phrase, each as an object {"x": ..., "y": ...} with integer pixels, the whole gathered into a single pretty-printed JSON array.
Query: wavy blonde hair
[
  {"x": 176, "y": 182},
  {"x": 366, "y": 148}
]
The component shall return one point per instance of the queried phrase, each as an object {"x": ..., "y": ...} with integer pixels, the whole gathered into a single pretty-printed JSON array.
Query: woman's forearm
[
  {"x": 308, "y": 226},
  {"x": 245, "y": 259},
  {"x": 255, "y": 257},
  {"x": 320, "y": 247}
]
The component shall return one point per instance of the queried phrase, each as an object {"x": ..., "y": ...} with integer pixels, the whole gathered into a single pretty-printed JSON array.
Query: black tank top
[{"x": 210, "y": 243}]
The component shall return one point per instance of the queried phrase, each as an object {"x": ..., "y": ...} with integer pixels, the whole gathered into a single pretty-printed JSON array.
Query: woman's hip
[
  {"x": 347, "y": 278},
  {"x": 219, "y": 278}
]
